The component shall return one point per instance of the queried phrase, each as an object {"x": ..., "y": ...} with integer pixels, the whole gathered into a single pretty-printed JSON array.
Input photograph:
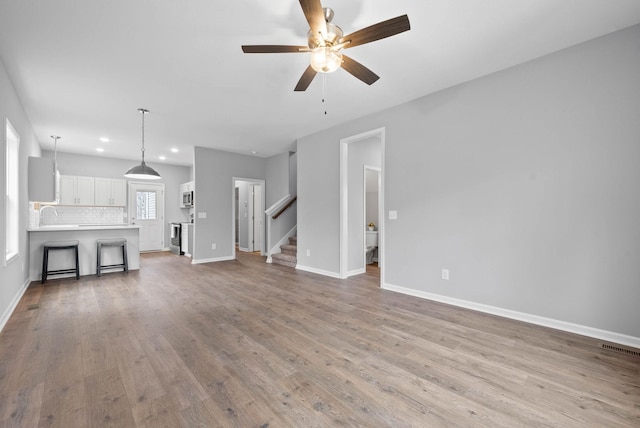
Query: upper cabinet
[
  {"x": 75, "y": 190},
  {"x": 110, "y": 192}
]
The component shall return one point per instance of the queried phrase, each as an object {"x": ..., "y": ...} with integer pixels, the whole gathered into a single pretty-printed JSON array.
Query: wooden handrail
[{"x": 283, "y": 209}]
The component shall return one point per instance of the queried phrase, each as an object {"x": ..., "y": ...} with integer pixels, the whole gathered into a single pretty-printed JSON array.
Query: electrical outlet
[
  {"x": 308, "y": 253},
  {"x": 445, "y": 274},
  {"x": 213, "y": 246}
]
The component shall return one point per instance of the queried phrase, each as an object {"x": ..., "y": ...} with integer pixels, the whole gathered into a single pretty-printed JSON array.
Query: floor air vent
[{"x": 621, "y": 350}]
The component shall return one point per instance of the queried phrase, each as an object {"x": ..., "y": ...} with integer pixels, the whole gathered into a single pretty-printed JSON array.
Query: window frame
[{"x": 11, "y": 193}]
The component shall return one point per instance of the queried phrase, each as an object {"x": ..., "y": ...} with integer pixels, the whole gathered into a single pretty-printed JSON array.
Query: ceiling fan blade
[
  {"x": 358, "y": 70},
  {"x": 378, "y": 31},
  {"x": 273, "y": 48},
  {"x": 315, "y": 16},
  {"x": 306, "y": 79}
]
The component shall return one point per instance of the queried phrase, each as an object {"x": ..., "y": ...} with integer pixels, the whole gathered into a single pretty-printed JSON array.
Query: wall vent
[{"x": 621, "y": 350}]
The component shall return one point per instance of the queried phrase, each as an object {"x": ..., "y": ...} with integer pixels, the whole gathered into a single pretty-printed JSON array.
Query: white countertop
[{"x": 81, "y": 227}]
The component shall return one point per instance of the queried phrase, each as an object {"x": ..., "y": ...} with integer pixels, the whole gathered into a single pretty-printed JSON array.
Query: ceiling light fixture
[
  {"x": 174, "y": 150},
  {"x": 142, "y": 171},
  {"x": 104, "y": 139},
  {"x": 162, "y": 157},
  {"x": 99, "y": 149}
]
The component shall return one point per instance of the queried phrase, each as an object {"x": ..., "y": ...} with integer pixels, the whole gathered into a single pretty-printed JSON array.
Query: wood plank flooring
[{"x": 247, "y": 344}]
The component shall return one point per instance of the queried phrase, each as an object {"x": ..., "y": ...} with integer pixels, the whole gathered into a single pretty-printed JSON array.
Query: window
[
  {"x": 11, "y": 195},
  {"x": 146, "y": 205}
]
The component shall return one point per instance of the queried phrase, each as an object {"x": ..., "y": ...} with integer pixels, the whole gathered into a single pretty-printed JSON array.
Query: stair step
[
  {"x": 289, "y": 249},
  {"x": 284, "y": 259},
  {"x": 293, "y": 240}
]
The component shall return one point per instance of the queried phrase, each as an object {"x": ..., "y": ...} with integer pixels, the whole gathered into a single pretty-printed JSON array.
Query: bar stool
[
  {"x": 118, "y": 242},
  {"x": 58, "y": 245}
]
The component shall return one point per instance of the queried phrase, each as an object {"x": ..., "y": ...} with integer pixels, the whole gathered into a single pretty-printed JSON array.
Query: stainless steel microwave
[{"x": 187, "y": 199}]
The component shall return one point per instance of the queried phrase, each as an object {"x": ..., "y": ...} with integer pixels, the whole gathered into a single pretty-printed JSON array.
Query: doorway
[
  {"x": 248, "y": 215},
  {"x": 146, "y": 209},
  {"x": 355, "y": 153}
]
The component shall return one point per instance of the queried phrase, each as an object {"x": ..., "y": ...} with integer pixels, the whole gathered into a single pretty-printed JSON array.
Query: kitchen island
[{"x": 86, "y": 235}]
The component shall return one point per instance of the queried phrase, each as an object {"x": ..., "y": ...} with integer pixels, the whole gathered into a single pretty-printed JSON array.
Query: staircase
[{"x": 287, "y": 256}]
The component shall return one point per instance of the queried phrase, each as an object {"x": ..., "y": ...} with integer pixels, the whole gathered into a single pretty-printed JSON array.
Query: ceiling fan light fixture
[
  {"x": 142, "y": 171},
  {"x": 325, "y": 60}
]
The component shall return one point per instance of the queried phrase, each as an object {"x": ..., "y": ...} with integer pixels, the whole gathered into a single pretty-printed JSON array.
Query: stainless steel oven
[{"x": 176, "y": 238}]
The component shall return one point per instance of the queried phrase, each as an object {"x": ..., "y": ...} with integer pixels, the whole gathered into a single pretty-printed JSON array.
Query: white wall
[
  {"x": 522, "y": 183},
  {"x": 101, "y": 166},
  {"x": 214, "y": 173},
  {"x": 15, "y": 276}
]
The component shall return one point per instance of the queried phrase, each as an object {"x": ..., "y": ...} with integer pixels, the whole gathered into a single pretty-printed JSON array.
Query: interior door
[
  {"x": 146, "y": 209},
  {"x": 257, "y": 215}
]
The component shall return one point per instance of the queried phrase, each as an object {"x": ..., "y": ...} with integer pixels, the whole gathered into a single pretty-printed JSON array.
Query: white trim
[
  {"x": 344, "y": 212},
  {"x": 243, "y": 249},
  {"x": 595, "y": 333},
  {"x": 357, "y": 271},
  {"x": 320, "y": 271},
  {"x": 213, "y": 260},
  {"x": 13, "y": 304},
  {"x": 275, "y": 207},
  {"x": 255, "y": 181}
]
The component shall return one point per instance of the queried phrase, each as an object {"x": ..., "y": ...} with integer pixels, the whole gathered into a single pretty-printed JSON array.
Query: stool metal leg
[
  {"x": 99, "y": 262},
  {"x": 125, "y": 260},
  {"x": 77, "y": 263},
  {"x": 45, "y": 264}
]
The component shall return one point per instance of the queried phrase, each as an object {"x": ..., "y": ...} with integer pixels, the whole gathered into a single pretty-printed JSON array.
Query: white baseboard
[
  {"x": 357, "y": 272},
  {"x": 243, "y": 249},
  {"x": 319, "y": 271},
  {"x": 595, "y": 333},
  {"x": 216, "y": 259},
  {"x": 14, "y": 303}
]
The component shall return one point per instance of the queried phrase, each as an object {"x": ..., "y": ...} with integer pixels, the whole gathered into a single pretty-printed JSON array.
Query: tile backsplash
[{"x": 77, "y": 215}]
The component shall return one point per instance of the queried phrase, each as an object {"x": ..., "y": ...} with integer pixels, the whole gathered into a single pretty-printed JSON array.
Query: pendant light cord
[{"x": 143, "y": 111}]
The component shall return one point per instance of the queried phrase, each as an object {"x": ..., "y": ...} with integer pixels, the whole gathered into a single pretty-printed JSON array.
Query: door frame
[
  {"x": 344, "y": 206},
  {"x": 131, "y": 207},
  {"x": 251, "y": 181}
]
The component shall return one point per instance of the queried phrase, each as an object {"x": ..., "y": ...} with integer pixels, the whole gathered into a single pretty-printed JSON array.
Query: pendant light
[{"x": 142, "y": 171}]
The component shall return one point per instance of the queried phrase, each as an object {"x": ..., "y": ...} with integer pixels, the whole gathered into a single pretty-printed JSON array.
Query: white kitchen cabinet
[
  {"x": 184, "y": 188},
  {"x": 76, "y": 190},
  {"x": 110, "y": 192}
]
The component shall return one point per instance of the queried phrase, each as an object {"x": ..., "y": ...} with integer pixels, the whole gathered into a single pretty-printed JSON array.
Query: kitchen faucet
[{"x": 42, "y": 208}]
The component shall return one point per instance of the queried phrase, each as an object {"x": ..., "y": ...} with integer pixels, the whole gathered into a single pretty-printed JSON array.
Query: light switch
[
  {"x": 202, "y": 215},
  {"x": 393, "y": 215}
]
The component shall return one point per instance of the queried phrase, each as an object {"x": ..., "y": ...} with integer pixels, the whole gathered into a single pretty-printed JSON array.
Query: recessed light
[
  {"x": 174, "y": 150},
  {"x": 162, "y": 157},
  {"x": 100, "y": 149},
  {"x": 104, "y": 139},
  {"x": 254, "y": 152}
]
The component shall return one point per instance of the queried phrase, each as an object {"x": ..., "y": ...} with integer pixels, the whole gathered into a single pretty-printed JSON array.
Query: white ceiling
[{"x": 83, "y": 67}]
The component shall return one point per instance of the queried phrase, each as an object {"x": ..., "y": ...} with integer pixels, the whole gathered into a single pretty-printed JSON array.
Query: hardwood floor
[{"x": 247, "y": 344}]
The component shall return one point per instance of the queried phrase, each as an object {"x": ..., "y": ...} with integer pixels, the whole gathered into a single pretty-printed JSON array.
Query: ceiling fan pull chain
[{"x": 324, "y": 92}]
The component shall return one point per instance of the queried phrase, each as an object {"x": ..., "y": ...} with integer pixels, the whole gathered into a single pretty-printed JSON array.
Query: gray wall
[
  {"x": 360, "y": 154},
  {"x": 100, "y": 166},
  {"x": 214, "y": 171},
  {"x": 277, "y": 175},
  {"x": 522, "y": 183},
  {"x": 15, "y": 275}
]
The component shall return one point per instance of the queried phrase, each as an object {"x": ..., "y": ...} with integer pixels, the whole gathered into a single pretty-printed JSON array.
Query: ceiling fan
[{"x": 326, "y": 42}]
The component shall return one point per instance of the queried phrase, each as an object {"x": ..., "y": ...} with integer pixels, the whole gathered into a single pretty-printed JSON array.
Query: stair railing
[{"x": 281, "y": 223}]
